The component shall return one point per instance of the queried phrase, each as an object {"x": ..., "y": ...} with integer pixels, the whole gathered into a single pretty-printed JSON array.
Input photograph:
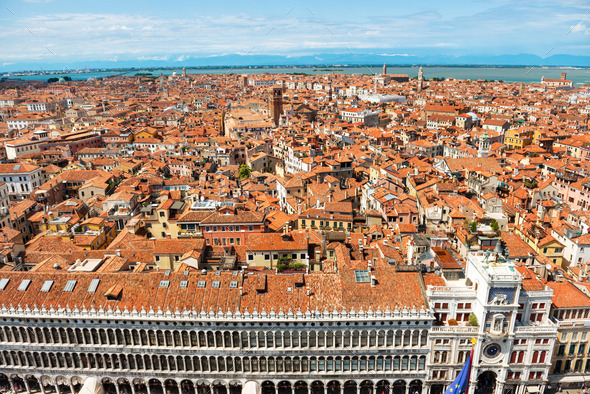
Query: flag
[{"x": 461, "y": 382}]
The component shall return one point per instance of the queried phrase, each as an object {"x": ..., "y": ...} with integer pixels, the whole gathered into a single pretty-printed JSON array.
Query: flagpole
[{"x": 473, "y": 342}]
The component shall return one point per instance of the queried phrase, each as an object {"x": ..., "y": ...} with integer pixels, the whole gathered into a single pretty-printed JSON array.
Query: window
[
  {"x": 47, "y": 286},
  {"x": 184, "y": 283},
  {"x": 3, "y": 283},
  {"x": 164, "y": 283},
  {"x": 267, "y": 257},
  {"x": 24, "y": 285},
  {"x": 201, "y": 283},
  {"x": 93, "y": 285},
  {"x": 572, "y": 349},
  {"x": 362, "y": 276},
  {"x": 70, "y": 285},
  {"x": 250, "y": 257}
]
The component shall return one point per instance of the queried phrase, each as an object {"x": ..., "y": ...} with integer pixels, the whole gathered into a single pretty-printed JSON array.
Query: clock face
[{"x": 492, "y": 350}]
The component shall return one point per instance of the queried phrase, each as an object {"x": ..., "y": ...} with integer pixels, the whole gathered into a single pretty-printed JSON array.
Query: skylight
[
  {"x": 24, "y": 285},
  {"x": 47, "y": 286},
  {"x": 362, "y": 276},
  {"x": 70, "y": 285},
  {"x": 93, "y": 285}
]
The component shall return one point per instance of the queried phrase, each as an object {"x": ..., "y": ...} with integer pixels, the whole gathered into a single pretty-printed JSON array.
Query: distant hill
[{"x": 321, "y": 59}]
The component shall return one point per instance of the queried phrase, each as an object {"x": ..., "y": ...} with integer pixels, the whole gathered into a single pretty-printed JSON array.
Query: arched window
[
  {"x": 422, "y": 363},
  {"x": 381, "y": 339},
  {"x": 407, "y": 338},
  {"x": 372, "y": 338},
  {"x": 338, "y": 339},
  {"x": 168, "y": 339},
  {"x": 312, "y": 339},
  {"x": 423, "y": 338},
  {"x": 321, "y": 338},
  {"x": 355, "y": 339},
  {"x": 347, "y": 338},
  {"x": 364, "y": 339}
]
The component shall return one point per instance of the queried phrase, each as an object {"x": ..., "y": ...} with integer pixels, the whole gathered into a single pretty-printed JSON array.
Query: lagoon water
[{"x": 579, "y": 76}]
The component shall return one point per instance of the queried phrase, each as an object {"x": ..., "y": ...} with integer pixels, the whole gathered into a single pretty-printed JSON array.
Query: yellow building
[
  {"x": 518, "y": 138},
  {"x": 94, "y": 233},
  {"x": 542, "y": 243},
  {"x": 571, "y": 311},
  {"x": 148, "y": 132},
  {"x": 278, "y": 250}
]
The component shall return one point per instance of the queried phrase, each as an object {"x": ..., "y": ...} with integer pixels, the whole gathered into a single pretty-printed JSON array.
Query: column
[
  {"x": 149, "y": 387},
  {"x": 426, "y": 388},
  {"x": 132, "y": 388},
  {"x": 42, "y": 388},
  {"x": 12, "y": 386},
  {"x": 72, "y": 388},
  {"x": 28, "y": 387},
  {"x": 56, "y": 388},
  {"x": 407, "y": 385},
  {"x": 117, "y": 387}
]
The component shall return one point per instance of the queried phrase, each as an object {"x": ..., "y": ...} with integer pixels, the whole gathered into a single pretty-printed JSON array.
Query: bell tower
[
  {"x": 420, "y": 79},
  {"x": 276, "y": 105},
  {"x": 484, "y": 145}
]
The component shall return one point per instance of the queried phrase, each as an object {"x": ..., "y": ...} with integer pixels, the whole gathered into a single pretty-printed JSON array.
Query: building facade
[{"x": 169, "y": 343}]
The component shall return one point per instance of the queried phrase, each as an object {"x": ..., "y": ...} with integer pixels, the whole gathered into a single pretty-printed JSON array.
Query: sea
[{"x": 580, "y": 76}]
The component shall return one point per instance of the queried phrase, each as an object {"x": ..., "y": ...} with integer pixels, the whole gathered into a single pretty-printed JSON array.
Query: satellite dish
[{"x": 548, "y": 266}]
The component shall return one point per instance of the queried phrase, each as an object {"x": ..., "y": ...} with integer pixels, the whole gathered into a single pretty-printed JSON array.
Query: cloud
[
  {"x": 487, "y": 28},
  {"x": 580, "y": 28}
]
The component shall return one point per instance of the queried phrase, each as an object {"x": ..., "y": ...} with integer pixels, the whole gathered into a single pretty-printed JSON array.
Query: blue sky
[{"x": 54, "y": 31}]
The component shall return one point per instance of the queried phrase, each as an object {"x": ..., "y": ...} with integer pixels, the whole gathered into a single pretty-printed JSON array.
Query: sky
[{"x": 66, "y": 31}]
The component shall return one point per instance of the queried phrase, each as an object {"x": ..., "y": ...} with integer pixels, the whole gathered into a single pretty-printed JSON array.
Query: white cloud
[
  {"x": 395, "y": 54},
  {"x": 580, "y": 28},
  {"x": 103, "y": 36}
]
